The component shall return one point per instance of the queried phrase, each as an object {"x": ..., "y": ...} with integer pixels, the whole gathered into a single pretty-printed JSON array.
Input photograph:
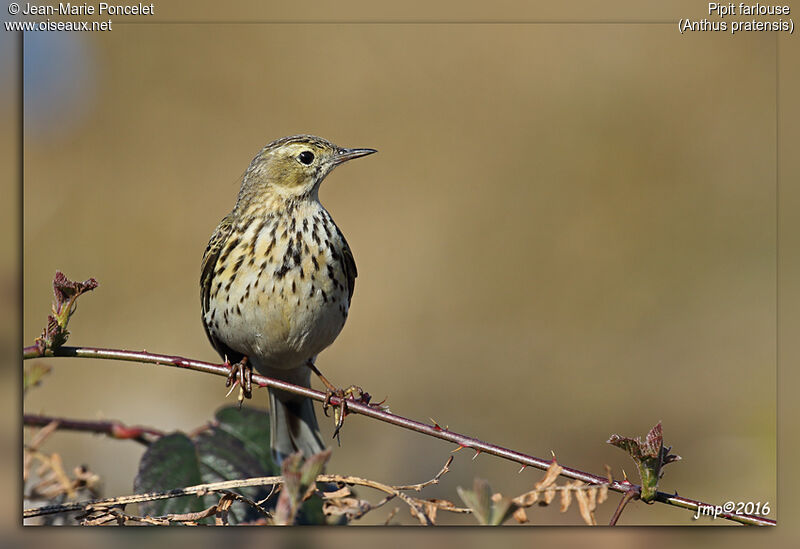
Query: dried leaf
[
  {"x": 583, "y": 507},
  {"x": 550, "y": 476},
  {"x": 602, "y": 496},
  {"x": 42, "y": 434},
  {"x": 591, "y": 493},
  {"x": 430, "y": 510},
  {"x": 342, "y": 492},
  {"x": 527, "y": 499},
  {"x": 441, "y": 503},
  {"x": 419, "y": 514},
  {"x": 58, "y": 468},
  {"x": 389, "y": 518},
  {"x": 566, "y": 498},
  {"x": 350, "y": 507}
]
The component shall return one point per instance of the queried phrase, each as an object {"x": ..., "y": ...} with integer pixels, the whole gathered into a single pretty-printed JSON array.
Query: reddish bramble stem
[{"x": 114, "y": 429}]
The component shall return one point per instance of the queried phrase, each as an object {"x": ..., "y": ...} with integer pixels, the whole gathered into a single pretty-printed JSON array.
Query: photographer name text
[{"x": 102, "y": 8}]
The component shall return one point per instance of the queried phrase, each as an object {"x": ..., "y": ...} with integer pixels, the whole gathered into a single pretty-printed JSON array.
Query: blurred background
[{"x": 569, "y": 232}]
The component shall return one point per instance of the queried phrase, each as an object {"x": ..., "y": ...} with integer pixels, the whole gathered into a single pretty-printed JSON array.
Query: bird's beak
[{"x": 343, "y": 155}]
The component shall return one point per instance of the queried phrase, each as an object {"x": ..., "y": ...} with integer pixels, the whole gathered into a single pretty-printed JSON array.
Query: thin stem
[
  {"x": 114, "y": 429},
  {"x": 435, "y": 431},
  {"x": 226, "y": 486},
  {"x": 629, "y": 495},
  {"x": 199, "y": 489}
]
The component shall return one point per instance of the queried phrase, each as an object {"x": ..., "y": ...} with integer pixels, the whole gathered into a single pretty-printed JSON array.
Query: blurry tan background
[{"x": 569, "y": 231}]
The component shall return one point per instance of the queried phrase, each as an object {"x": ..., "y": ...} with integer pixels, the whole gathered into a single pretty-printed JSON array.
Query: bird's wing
[
  {"x": 210, "y": 257},
  {"x": 350, "y": 270}
]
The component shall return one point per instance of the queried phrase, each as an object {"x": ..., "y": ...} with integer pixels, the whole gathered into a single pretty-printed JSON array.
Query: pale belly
[
  {"x": 281, "y": 317},
  {"x": 280, "y": 331}
]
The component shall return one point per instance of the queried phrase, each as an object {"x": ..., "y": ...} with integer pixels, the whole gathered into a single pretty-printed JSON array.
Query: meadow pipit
[{"x": 277, "y": 279}]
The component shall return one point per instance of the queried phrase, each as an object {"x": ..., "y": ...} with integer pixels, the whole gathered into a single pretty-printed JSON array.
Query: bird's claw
[
  {"x": 353, "y": 393},
  {"x": 240, "y": 374}
]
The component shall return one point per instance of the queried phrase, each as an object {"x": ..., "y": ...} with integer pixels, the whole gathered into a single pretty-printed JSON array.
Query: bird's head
[{"x": 294, "y": 167}]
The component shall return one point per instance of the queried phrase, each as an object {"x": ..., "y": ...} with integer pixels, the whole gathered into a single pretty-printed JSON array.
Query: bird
[{"x": 277, "y": 280}]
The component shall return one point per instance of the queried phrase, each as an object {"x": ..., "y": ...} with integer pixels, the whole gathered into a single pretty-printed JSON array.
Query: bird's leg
[
  {"x": 354, "y": 392},
  {"x": 328, "y": 385},
  {"x": 240, "y": 373},
  {"x": 331, "y": 390}
]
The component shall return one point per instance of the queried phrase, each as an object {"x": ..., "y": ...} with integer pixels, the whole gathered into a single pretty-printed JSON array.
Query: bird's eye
[{"x": 306, "y": 157}]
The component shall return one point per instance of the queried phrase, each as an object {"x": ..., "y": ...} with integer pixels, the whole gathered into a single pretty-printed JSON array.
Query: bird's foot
[
  {"x": 353, "y": 393},
  {"x": 240, "y": 374}
]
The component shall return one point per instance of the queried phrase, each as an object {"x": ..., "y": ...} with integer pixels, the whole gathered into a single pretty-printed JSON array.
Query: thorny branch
[{"x": 434, "y": 430}]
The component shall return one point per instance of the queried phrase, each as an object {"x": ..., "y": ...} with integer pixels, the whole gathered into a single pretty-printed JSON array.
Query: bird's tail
[{"x": 293, "y": 425}]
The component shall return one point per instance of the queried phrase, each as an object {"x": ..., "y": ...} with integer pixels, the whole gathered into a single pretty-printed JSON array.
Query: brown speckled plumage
[{"x": 278, "y": 277}]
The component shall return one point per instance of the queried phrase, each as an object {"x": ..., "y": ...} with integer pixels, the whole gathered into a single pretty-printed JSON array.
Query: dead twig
[{"x": 100, "y": 511}]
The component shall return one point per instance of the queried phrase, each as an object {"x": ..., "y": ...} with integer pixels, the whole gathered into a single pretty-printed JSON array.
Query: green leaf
[
  {"x": 170, "y": 462},
  {"x": 299, "y": 476},
  {"x": 650, "y": 457},
  {"x": 66, "y": 293},
  {"x": 33, "y": 374},
  {"x": 251, "y": 428},
  {"x": 487, "y": 510},
  {"x": 235, "y": 446}
]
